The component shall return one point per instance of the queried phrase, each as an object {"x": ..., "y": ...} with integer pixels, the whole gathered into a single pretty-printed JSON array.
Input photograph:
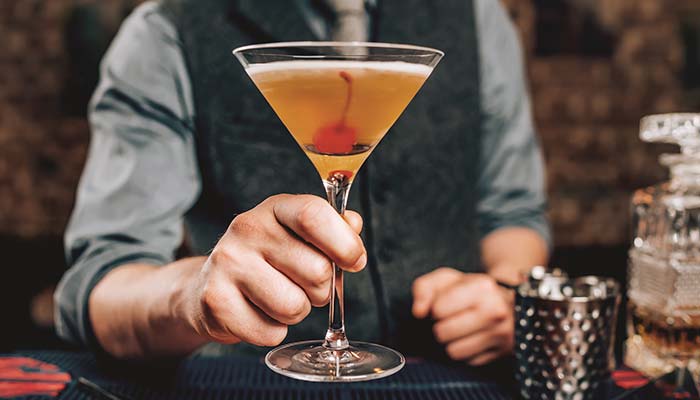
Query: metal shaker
[{"x": 564, "y": 335}]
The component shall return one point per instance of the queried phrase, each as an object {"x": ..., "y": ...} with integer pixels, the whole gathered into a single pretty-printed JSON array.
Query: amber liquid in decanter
[{"x": 663, "y": 323}]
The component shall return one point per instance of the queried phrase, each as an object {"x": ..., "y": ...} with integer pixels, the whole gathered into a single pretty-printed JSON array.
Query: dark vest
[{"x": 417, "y": 191}]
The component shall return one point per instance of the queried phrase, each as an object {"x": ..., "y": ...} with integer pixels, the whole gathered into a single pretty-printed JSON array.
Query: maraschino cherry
[{"x": 338, "y": 137}]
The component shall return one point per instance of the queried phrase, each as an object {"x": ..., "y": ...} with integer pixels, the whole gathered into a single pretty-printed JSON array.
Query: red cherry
[{"x": 336, "y": 138}]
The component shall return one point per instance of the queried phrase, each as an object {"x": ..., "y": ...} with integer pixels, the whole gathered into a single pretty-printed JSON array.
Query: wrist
[
  {"x": 171, "y": 310},
  {"x": 177, "y": 304},
  {"x": 117, "y": 307}
]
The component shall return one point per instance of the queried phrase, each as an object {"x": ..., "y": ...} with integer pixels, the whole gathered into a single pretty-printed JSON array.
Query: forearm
[
  {"x": 138, "y": 310},
  {"x": 509, "y": 253}
]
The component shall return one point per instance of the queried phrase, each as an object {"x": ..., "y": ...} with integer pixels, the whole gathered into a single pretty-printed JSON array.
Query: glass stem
[{"x": 337, "y": 189}]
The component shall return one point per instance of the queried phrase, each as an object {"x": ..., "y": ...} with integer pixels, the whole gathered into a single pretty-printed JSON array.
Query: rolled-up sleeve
[
  {"x": 141, "y": 174},
  {"x": 511, "y": 181}
]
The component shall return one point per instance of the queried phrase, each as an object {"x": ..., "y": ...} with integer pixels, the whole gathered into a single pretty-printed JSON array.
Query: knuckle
[
  {"x": 274, "y": 199},
  {"x": 320, "y": 297},
  {"x": 351, "y": 255},
  {"x": 270, "y": 336},
  {"x": 486, "y": 284},
  {"x": 244, "y": 224},
  {"x": 210, "y": 298},
  {"x": 500, "y": 311},
  {"x": 208, "y": 321},
  {"x": 419, "y": 284},
  {"x": 296, "y": 309},
  {"x": 444, "y": 270},
  {"x": 229, "y": 261},
  {"x": 439, "y": 333},
  {"x": 322, "y": 273},
  {"x": 219, "y": 256},
  {"x": 497, "y": 309},
  {"x": 440, "y": 308},
  {"x": 310, "y": 214},
  {"x": 452, "y": 352},
  {"x": 355, "y": 218}
]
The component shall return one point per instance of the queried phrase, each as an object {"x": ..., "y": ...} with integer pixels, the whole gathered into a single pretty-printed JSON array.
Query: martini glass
[{"x": 337, "y": 99}]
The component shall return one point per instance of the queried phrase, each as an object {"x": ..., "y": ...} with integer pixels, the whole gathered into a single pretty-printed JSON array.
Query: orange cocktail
[{"x": 338, "y": 110}]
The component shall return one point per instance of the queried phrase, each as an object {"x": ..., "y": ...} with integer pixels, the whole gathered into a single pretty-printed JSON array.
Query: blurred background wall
[{"x": 595, "y": 67}]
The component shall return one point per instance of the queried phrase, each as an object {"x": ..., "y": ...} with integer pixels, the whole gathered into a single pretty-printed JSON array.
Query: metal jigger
[{"x": 564, "y": 335}]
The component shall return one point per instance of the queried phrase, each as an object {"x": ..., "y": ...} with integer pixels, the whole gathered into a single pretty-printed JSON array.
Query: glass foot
[{"x": 310, "y": 361}]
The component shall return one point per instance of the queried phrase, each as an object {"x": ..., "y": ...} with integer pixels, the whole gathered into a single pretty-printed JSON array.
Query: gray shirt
[{"x": 141, "y": 175}]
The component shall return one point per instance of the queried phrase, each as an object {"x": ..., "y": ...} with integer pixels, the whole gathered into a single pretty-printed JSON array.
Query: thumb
[{"x": 427, "y": 287}]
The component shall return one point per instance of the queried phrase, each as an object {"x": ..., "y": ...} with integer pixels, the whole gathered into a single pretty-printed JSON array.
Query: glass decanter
[{"x": 664, "y": 261}]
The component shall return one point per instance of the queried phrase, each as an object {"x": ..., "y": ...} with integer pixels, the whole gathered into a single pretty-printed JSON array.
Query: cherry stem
[{"x": 348, "y": 80}]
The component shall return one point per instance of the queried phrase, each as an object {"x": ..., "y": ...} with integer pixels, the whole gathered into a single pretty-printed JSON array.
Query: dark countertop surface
[{"x": 229, "y": 377}]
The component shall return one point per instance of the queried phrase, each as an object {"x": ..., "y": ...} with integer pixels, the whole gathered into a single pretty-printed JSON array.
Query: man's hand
[
  {"x": 473, "y": 314},
  {"x": 271, "y": 266}
]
